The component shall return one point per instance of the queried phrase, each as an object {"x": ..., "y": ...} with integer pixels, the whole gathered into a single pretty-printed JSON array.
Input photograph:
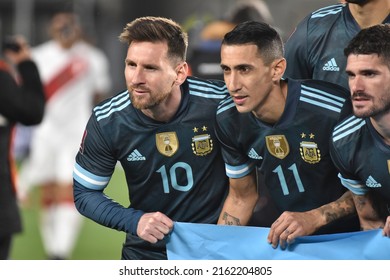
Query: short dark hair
[
  {"x": 371, "y": 40},
  {"x": 157, "y": 29},
  {"x": 266, "y": 38}
]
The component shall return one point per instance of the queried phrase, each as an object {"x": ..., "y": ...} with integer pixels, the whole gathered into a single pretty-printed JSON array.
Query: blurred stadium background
[
  {"x": 95, "y": 241},
  {"x": 103, "y": 21}
]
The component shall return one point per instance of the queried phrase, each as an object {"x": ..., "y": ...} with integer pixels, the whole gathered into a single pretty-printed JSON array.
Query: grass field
[{"x": 95, "y": 242}]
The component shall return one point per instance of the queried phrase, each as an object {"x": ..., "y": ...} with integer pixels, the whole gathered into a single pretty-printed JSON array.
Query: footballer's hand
[
  {"x": 291, "y": 225},
  {"x": 153, "y": 227}
]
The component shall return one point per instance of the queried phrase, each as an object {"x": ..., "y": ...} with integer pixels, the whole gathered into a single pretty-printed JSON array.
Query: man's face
[
  {"x": 150, "y": 75},
  {"x": 247, "y": 78},
  {"x": 65, "y": 30},
  {"x": 369, "y": 83}
]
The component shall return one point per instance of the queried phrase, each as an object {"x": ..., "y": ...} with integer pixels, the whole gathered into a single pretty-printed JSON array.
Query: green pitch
[{"x": 95, "y": 242}]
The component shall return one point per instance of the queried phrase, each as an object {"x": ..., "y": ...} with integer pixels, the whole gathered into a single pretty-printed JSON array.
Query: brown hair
[{"x": 157, "y": 29}]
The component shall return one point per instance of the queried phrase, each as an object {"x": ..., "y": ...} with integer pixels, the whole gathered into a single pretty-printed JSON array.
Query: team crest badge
[
  {"x": 167, "y": 143},
  {"x": 202, "y": 144},
  {"x": 310, "y": 152},
  {"x": 277, "y": 145}
]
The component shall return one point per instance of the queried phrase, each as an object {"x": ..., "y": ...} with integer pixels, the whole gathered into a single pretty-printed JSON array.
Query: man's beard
[
  {"x": 148, "y": 102},
  {"x": 374, "y": 110}
]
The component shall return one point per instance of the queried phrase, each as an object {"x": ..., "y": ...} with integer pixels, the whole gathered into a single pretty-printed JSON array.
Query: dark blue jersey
[
  {"x": 316, "y": 48},
  {"x": 175, "y": 168},
  {"x": 293, "y": 155},
  {"x": 363, "y": 159}
]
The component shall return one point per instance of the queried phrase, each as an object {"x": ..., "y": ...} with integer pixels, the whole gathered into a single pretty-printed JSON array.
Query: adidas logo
[
  {"x": 135, "y": 156},
  {"x": 331, "y": 65},
  {"x": 254, "y": 155},
  {"x": 371, "y": 183}
]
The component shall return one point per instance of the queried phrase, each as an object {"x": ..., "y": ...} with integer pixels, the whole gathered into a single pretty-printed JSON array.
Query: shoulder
[
  {"x": 324, "y": 97},
  {"x": 112, "y": 107},
  {"x": 45, "y": 47},
  {"x": 315, "y": 27},
  {"x": 202, "y": 94},
  {"x": 348, "y": 130},
  {"x": 226, "y": 107},
  {"x": 327, "y": 14},
  {"x": 46, "y": 52},
  {"x": 207, "y": 88},
  {"x": 325, "y": 88},
  {"x": 324, "y": 19}
]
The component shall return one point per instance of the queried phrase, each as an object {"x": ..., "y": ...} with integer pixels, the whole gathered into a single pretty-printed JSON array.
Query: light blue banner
[{"x": 217, "y": 242}]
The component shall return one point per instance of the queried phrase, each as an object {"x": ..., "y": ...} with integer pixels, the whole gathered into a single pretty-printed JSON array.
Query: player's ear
[
  {"x": 278, "y": 68},
  {"x": 182, "y": 72}
]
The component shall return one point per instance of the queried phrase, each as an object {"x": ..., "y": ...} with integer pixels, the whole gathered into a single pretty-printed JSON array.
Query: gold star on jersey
[
  {"x": 309, "y": 149},
  {"x": 202, "y": 144}
]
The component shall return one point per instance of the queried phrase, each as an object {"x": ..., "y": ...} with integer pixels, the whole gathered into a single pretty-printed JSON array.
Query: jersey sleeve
[
  {"x": 296, "y": 53},
  {"x": 93, "y": 169},
  {"x": 237, "y": 164},
  {"x": 347, "y": 178}
]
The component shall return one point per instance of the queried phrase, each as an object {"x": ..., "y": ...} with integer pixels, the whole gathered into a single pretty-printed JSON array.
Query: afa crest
[
  {"x": 277, "y": 145},
  {"x": 310, "y": 152},
  {"x": 167, "y": 143},
  {"x": 309, "y": 149},
  {"x": 202, "y": 144}
]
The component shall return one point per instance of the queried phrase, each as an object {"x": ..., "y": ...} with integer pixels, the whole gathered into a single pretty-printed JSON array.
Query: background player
[
  {"x": 161, "y": 130},
  {"x": 24, "y": 103},
  {"x": 206, "y": 55},
  {"x": 361, "y": 144},
  {"x": 75, "y": 74},
  {"x": 315, "y": 49},
  {"x": 283, "y": 127}
]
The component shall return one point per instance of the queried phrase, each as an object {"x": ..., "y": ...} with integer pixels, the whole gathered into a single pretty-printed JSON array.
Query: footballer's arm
[
  {"x": 368, "y": 216},
  {"x": 240, "y": 202}
]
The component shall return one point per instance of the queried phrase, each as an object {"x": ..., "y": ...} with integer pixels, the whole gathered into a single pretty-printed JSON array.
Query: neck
[
  {"x": 382, "y": 127},
  {"x": 272, "y": 109},
  {"x": 371, "y": 13}
]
